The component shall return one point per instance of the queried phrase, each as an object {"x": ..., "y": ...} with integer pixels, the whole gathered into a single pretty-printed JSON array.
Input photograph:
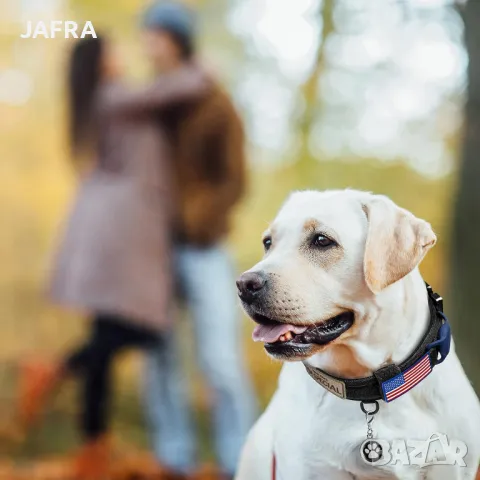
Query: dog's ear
[{"x": 396, "y": 243}]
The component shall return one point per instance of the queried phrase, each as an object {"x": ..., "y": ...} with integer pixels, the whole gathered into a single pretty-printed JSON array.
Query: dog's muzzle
[{"x": 279, "y": 334}]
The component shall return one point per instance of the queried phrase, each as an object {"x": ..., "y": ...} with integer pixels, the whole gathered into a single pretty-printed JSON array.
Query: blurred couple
[{"x": 164, "y": 167}]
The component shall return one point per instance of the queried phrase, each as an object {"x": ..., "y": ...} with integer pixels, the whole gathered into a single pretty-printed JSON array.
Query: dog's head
[{"x": 326, "y": 255}]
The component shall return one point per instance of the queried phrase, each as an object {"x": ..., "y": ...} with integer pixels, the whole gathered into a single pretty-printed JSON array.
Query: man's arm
[
  {"x": 235, "y": 158},
  {"x": 229, "y": 150},
  {"x": 222, "y": 146},
  {"x": 188, "y": 83}
]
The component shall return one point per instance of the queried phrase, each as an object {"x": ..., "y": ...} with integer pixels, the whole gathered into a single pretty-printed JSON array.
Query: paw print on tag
[{"x": 372, "y": 451}]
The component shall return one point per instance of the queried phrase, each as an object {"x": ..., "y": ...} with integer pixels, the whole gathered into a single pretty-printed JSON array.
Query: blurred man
[{"x": 209, "y": 168}]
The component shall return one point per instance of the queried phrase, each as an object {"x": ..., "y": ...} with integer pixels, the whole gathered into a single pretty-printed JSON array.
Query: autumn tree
[{"x": 465, "y": 245}]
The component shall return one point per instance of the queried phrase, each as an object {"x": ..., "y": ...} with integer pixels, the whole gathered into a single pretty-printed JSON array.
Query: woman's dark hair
[{"x": 84, "y": 75}]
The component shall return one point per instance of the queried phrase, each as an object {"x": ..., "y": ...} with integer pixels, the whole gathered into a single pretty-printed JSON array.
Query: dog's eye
[
  {"x": 321, "y": 241},
  {"x": 267, "y": 243}
]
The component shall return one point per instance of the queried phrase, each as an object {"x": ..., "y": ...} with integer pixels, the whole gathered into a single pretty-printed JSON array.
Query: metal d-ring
[
  {"x": 371, "y": 412},
  {"x": 369, "y": 416}
]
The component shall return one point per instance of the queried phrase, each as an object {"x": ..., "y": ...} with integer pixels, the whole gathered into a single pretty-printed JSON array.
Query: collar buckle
[
  {"x": 442, "y": 345},
  {"x": 438, "y": 300}
]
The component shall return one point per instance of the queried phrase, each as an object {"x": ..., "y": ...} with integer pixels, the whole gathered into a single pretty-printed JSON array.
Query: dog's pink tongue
[{"x": 271, "y": 334}]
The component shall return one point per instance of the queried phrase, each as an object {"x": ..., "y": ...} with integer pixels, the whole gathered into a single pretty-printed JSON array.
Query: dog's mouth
[{"x": 283, "y": 339}]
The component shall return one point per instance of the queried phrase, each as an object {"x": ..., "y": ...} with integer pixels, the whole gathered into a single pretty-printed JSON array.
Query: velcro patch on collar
[
  {"x": 333, "y": 385},
  {"x": 405, "y": 381}
]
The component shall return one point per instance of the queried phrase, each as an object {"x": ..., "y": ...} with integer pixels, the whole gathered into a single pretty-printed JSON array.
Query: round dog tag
[{"x": 371, "y": 451}]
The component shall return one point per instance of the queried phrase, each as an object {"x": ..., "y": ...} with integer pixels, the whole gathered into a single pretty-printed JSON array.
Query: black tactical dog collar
[{"x": 392, "y": 381}]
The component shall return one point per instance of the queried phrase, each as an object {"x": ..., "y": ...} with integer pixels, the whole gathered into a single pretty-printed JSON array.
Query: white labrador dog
[{"x": 338, "y": 293}]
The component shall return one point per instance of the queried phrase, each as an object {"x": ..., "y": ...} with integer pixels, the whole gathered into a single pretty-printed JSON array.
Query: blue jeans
[{"x": 207, "y": 281}]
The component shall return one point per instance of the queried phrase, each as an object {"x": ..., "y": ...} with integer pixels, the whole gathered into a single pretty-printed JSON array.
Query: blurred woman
[{"x": 113, "y": 261}]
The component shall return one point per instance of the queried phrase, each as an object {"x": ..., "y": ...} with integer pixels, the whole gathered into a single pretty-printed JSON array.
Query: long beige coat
[{"x": 114, "y": 256}]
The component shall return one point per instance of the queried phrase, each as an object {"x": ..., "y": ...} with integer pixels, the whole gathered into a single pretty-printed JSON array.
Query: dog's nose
[{"x": 249, "y": 284}]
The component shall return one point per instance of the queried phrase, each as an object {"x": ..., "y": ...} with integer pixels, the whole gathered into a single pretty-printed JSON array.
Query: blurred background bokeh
[{"x": 367, "y": 94}]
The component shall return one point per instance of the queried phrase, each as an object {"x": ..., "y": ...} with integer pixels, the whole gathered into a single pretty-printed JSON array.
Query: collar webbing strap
[{"x": 392, "y": 381}]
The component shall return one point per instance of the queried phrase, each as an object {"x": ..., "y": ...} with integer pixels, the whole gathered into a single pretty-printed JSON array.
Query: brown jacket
[
  {"x": 208, "y": 165},
  {"x": 114, "y": 256}
]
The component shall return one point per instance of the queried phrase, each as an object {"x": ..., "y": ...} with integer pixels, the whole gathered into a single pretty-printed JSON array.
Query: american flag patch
[{"x": 403, "y": 382}]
